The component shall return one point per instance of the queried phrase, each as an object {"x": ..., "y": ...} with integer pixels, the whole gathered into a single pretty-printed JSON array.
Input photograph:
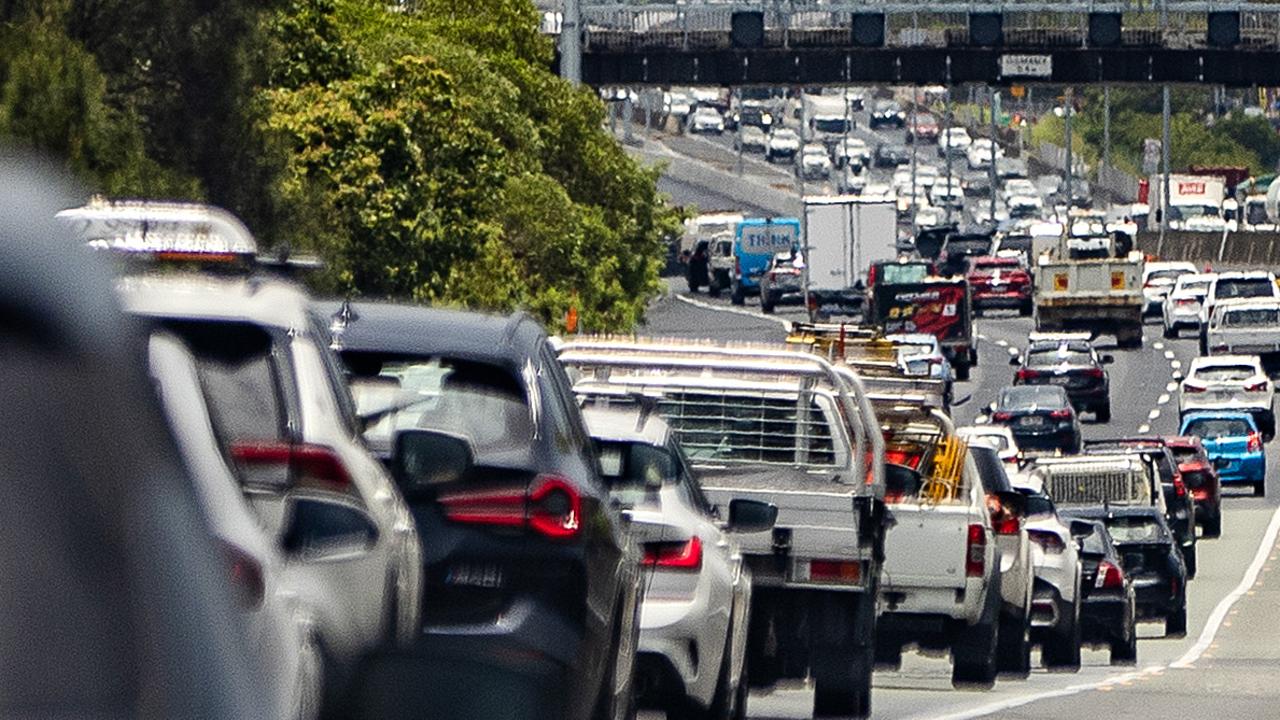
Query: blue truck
[{"x": 755, "y": 242}]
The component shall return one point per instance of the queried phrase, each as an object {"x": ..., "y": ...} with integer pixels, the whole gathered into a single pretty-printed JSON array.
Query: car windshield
[
  {"x": 484, "y": 402},
  {"x": 830, "y": 125},
  {"x": 900, "y": 273},
  {"x": 1134, "y": 529},
  {"x": 1225, "y": 373},
  {"x": 1215, "y": 428},
  {"x": 1063, "y": 354},
  {"x": 1239, "y": 288},
  {"x": 633, "y": 470},
  {"x": 1032, "y": 397},
  {"x": 1250, "y": 317},
  {"x": 1164, "y": 275}
]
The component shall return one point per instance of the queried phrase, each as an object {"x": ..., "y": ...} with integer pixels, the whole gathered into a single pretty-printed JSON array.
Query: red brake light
[
  {"x": 246, "y": 575},
  {"x": 1179, "y": 487},
  {"x": 676, "y": 556},
  {"x": 1183, "y": 302},
  {"x": 283, "y": 464},
  {"x": 551, "y": 507},
  {"x": 1095, "y": 373},
  {"x": 975, "y": 561},
  {"x": 1255, "y": 442},
  {"x": 1188, "y": 387},
  {"x": 1062, "y": 414},
  {"x": 1109, "y": 576},
  {"x": 1047, "y": 540},
  {"x": 1001, "y": 416},
  {"x": 1256, "y": 387},
  {"x": 1008, "y": 525},
  {"x": 1026, "y": 373}
]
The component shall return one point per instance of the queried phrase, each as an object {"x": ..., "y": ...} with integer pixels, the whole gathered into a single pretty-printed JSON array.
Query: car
[
  {"x": 1014, "y": 187},
  {"x": 1087, "y": 235},
  {"x": 1069, "y": 361},
  {"x": 1056, "y": 593},
  {"x": 814, "y": 162},
  {"x": 852, "y": 180},
  {"x": 980, "y": 153},
  {"x": 954, "y": 141},
  {"x": 1232, "y": 441},
  {"x": 1181, "y": 306},
  {"x": 528, "y": 565},
  {"x": 753, "y": 114},
  {"x": 921, "y": 355},
  {"x": 1000, "y": 282},
  {"x": 783, "y": 281},
  {"x": 1230, "y": 286},
  {"x": 930, "y": 217},
  {"x": 960, "y": 248},
  {"x": 120, "y": 601},
  {"x": 997, "y": 436},
  {"x": 1025, "y": 206},
  {"x": 274, "y": 609},
  {"x": 1248, "y": 326},
  {"x": 878, "y": 190},
  {"x": 944, "y": 193},
  {"x": 1017, "y": 244},
  {"x": 1201, "y": 480},
  {"x": 1007, "y": 167},
  {"x": 706, "y": 119},
  {"x": 783, "y": 144},
  {"x": 280, "y": 406},
  {"x": 751, "y": 139},
  {"x": 976, "y": 185},
  {"x": 1158, "y": 279},
  {"x": 924, "y": 127},
  {"x": 887, "y": 113},
  {"x": 1109, "y": 607},
  {"x": 697, "y": 598},
  {"x": 1017, "y": 575},
  {"x": 1149, "y": 555},
  {"x": 852, "y": 152},
  {"x": 891, "y": 155},
  {"x": 1041, "y": 417},
  {"x": 1179, "y": 504},
  {"x": 1230, "y": 382}
]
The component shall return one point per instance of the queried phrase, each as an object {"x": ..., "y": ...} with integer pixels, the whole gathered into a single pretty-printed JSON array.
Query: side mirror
[
  {"x": 750, "y": 516},
  {"x": 1108, "y": 359},
  {"x": 1081, "y": 529},
  {"x": 424, "y": 458}
]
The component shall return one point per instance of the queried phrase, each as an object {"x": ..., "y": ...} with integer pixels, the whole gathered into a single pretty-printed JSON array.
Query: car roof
[
  {"x": 402, "y": 328},
  {"x": 1206, "y": 361},
  {"x": 259, "y": 299},
  {"x": 626, "y": 424},
  {"x": 1158, "y": 265},
  {"x": 1099, "y": 511},
  {"x": 1055, "y": 390}
]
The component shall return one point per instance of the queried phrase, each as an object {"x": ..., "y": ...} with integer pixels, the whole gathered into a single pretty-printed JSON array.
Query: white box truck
[
  {"x": 1195, "y": 202},
  {"x": 843, "y": 235}
]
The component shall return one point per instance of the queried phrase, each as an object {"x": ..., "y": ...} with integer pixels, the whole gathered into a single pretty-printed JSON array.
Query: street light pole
[
  {"x": 995, "y": 134},
  {"x": 571, "y": 42},
  {"x": 947, "y": 148},
  {"x": 1068, "y": 102},
  {"x": 1165, "y": 158}
]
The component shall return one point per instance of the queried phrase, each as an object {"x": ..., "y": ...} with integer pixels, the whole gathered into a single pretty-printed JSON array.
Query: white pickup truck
[
  {"x": 941, "y": 587},
  {"x": 1101, "y": 295},
  {"x": 791, "y": 429}
]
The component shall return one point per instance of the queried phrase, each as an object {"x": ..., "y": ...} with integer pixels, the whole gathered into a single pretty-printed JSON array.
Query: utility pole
[
  {"x": 1165, "y": 155},
  {"x": 995, "y": 145},
  {"x": 571, "y": 42},
  {"x": 737, "y": 98},
  {"x": 947, "y": 149},
  {"x": 1067, "y": 111},
  {"x": 1106, "y": 125},
  {"x": 915, "y": 145}
]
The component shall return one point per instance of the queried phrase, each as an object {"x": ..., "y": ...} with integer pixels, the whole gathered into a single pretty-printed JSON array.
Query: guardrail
[{"x": 1238, "y": 248}]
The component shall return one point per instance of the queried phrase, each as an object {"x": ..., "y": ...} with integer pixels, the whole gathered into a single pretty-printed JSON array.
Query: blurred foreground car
[
  {"x": 697, "y": 592},
  {"x": 1056, "y": 595},
  {"x": 530, "y": 579},
  {"x": 117, "y": 598}
]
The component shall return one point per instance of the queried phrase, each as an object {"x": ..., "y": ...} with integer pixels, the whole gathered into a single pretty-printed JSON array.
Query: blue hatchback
[{"x": 1234, "y": 445}]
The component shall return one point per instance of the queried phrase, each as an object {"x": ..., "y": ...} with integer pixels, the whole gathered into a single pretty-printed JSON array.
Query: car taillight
[
  {"x": 1095, "y": 373},
  {"x": 551, "y": 506},
  {"x": 1047, "y": 540},
  {"x": 1185, "y": 302},
  {"x": 1179, "y": 487},
  {"x": 1062, "y": 414},
  {"x": 975, "y": 560},
  {"x": 1188, "y": 387},
  {"x": 1003, "y": 522},
  {"x": 1256, "y": 387},
  {"x": 1255, "y": 442},
  {"x": 1001, "y": 416},
  {"x": 1220, "y": 347},
  {"x": 283, "y": 464},
  {"x": 675, "y": 556},
  {"x": 246, "y": 575},
  {"x": 1026, "y": 373},
  {"x": 1109, "y": 576}
]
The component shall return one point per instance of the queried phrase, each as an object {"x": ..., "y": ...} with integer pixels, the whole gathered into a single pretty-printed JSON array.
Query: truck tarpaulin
[{"x": 936, "y": 309}]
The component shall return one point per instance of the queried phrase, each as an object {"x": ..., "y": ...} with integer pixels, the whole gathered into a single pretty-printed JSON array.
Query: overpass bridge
[{"x": 783, "y": 42}]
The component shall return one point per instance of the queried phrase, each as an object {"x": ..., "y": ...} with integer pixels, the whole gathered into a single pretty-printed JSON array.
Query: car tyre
[
  {"x": 1125, "y": 651},
  {"x": 1189, "y": 559},
  {"x": 767, "y": 303},
  {"x": 1026, "y": 309},
  {"x": 1103, "y": 413},
  {"x": 1260, "y": 488},
  {"x": 1175, "y": 624},
  {"x": 1061, "y": 652},
  {"x": 973, "y": 662},
  {"x": 737, "y": 296},
  {"x": 1170, "y": 333},
  {"x": 1014, "y": 646},
  {"x": 1213, "y": 526}
]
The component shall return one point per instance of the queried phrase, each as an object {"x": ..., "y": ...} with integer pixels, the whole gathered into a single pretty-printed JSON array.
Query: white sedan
[{"x": 1230, "y": 382}]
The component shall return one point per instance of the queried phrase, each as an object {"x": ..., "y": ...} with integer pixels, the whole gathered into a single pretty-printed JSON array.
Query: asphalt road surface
[{"x": 1228, "y": 666}]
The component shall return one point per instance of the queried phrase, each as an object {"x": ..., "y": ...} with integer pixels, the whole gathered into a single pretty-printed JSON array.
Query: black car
[
  {"x": 527, "y": 565},
  {"x": 1073, "y": 365},
  {"x": 1040, "y": 416},
  {"x": 959, "y": 248},
  {"x": 1150, "y": 557},
  {"x": 976, "y": 185},
  {"x": 889, "y": 155},
  {"x": 887, "y": 113},
  {"x": 697, "y": 269},
  {"x": 1109, "y": 608},
  {"x": 1180, "y": 505}
]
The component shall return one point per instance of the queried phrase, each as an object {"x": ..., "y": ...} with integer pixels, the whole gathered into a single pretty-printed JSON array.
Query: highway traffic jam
[{"x": 429, "y": 512}]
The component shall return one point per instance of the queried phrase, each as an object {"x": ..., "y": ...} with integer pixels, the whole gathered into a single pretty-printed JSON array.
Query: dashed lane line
[
  {"x": 1164, "y": 398},
  {"x": 1143, "y": 429},
  {"x": 1168, "y": 355}
]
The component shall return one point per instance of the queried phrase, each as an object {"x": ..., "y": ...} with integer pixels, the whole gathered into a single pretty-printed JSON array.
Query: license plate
[
  {"x": 1030, "y": 420},
  {"x": 482, "y": 575},
  {"x": 1060, "y": 379}
]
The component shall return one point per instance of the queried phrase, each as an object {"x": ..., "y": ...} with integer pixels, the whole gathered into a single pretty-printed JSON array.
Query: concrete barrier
[{"x": 1240, "y": 248}]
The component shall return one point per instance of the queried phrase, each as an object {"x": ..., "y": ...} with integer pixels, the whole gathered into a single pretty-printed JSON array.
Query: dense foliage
[{"x": 426, "y": 152}]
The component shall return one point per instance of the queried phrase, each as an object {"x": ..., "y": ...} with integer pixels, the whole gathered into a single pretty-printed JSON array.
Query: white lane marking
[
  {"x": 1143, "y": 429},
  {"x": 1002, "y": 343},
  {"x": 1153, "y": 414},
  {"x": 1164, "y": 398},
  {"x": 1220, "y": 612},
  {"x": 1168, "y": 355},
  {"x": 733, "y": 310},
  {"x": 1171, "y": 387},
  {"x": 1003, "y": 705},
  {"x": 1158, "y": 346},
  {"x": 1175, "y": 364}
]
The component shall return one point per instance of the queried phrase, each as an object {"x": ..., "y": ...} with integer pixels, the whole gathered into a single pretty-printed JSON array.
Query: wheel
[
  {"x": 1213, "y": 526},
  {"x": 1189, "y": 558},
  {"x": 1103, "y": 413},
  {"x": 1014, "y": 646},
  {"x": 1061, "y": 651},
  {"x": 962, "y": 371},
  {"x": 767, "y": 303},
  {"x": 1260, "y": 488},
  {"x": 1175, "y": 625},
  {"x": 977, "y": 311},
  {"x": 1026, "y": 309},
  {"x": 888, "y": 656},
  {"x": 617, "y": 694},
  {"x": 1125, "y": 652},
  {"x": 728, "y": 702},
  {"x": 973, "y": 659},
  {"x": 713, "y": 286},
  {"x": 737, "y": 297},
  {"x": 842, "y": 672},
  {"x": 1170, "y": 333}
]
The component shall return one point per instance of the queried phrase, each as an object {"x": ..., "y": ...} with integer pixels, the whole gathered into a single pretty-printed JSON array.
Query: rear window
[
  {"x": 1259, "y": 287},
  {"x": 1131, "y": 529},
  {"x": 776, "y": 430},
  {"x": 484, "y": 402},
  {"x": 1165, "y": 275},
  {"x": 1199, "y": 287},
  {"x": 1058, "y": 356},
  {"x": 990, "y": 470},
  {"x": 633, "y": 470},
  {"x": 1196, "y": 479},
  {"x": 1009, "y": 264},
  {"x": 1213, "y": 428},
  {"x": 1038, "y": 504},
  {"x": 896, "y": 274},
  {"x": 239, "y": 377},
  {"x": 1250, "y": 317},
  {"x": 1094, "y": 543},
  {"x": 1226, "y": 373},
  {"x": 1027, "y": 397}
]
